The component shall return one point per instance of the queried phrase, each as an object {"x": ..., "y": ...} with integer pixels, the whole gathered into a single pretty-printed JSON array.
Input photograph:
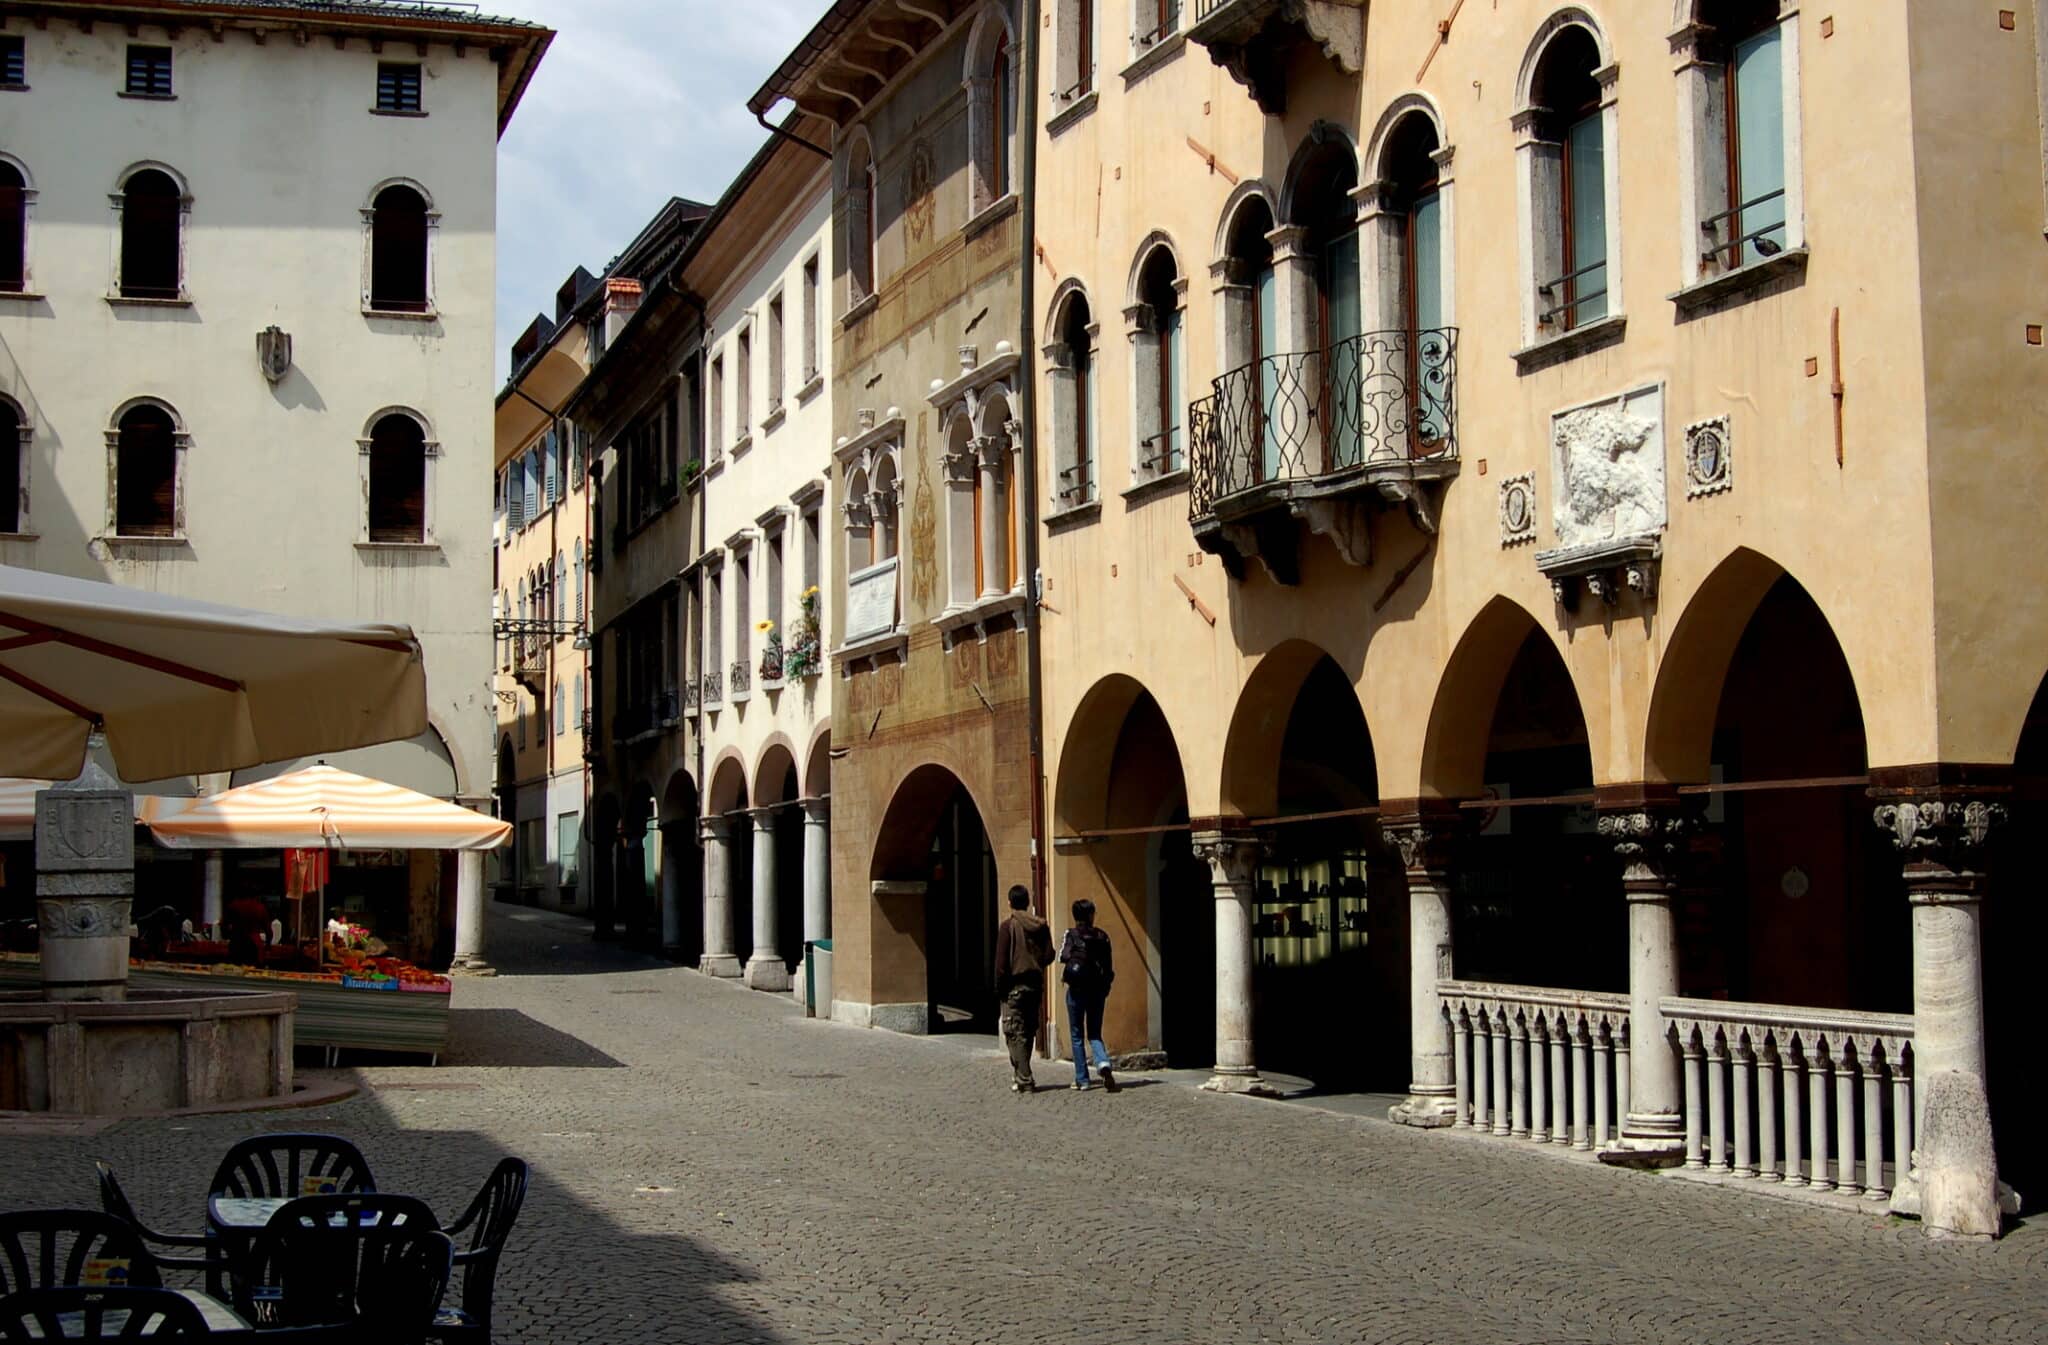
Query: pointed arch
[{"x": 1462, "y": 715}]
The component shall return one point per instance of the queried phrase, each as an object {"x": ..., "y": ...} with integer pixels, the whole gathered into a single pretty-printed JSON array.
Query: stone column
[
  {"x": 765, "y": 968},
  {"x": 1014, "y": 431},
  {"x": 1233, "y": 859},
  {"x": 469, "y": 910},
  {"x": 1954, "y": 1183},
  {"x": 671, "y": 891},
  {"x": 1651, "y": 844},
  {"x": 718, "y": 958},
  {"x": 995, "y": 561},
  {"x": 1294, "y": 271},
  {"x": 817, "y": 869},
  {"x": 1425, "y": 844},
  {"x": 85, "y": 886},
  {"x": 960, "y": 469},
  {"x": 212, "y": 902}
]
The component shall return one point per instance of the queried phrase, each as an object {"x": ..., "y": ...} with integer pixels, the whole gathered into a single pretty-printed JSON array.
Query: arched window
[
  {"x": 398, "y": 251},
  {"x": 1160, "y": 357},
  {"x": 1416, "y": 202},
  {"x": 1250, "y": 301},
  {"x": 1004, "y": 82},
  {"x": 996, "y": 503},
  {"x": 861, "y": 230},
  {"x": 991, "y": 108},
  {"x": 13, "y": 230},
  {"x": 963, "y": 513},
  {"x": 398, "y": 480},
  {"x": 1330, "y": 375},
  {"x": 152, "y": 207},
  {"x": 1565, "y": 157},
  {"x": 146, "y": 473},
  {"x": 860, "y": 526},
  {"x": 13, "y": 481},
  {"x": 886, "y": 505},
  {"x": 1071, "y": 372}
]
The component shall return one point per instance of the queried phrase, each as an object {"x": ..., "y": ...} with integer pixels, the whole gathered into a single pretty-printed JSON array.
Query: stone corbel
[
  {"x": 1605, "y": 571},
  {"x": 1338, "y": 28},
  {"x": 1346, "y": 522}
]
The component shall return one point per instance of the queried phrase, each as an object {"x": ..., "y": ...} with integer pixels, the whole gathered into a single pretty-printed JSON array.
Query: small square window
[
  {"x": 13, "y": 62},
  {"x": 398, "y": 86},
  {"x": 149, "y": 71}
]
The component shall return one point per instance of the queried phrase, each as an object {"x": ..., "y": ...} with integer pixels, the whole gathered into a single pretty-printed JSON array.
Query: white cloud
[{"x": 636, "y": 101}]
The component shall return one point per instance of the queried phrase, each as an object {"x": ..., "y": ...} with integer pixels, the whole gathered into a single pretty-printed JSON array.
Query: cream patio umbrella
[{"x": 181, "y": 687}]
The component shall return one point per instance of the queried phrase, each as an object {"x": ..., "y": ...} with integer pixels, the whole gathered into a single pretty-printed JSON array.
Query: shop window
[
  {"x": 146, "y": 473},
  {"x": 1160, "y": 358},
  {"x": 152, "y": 222},
  {"x": 1740, "y": 88},
  {"x": 398, "y": 251},
  {"x": 149, "y": 72},
  {"x": 398, "y": 86},
  {"x": 397, "y": 495},
  {"x": 1071, "y": 372}
]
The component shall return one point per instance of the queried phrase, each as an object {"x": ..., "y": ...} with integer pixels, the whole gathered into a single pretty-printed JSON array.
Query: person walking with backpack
[
  {"x": 1023, "y": 952},
  {"x": 1088, "y": 968}
]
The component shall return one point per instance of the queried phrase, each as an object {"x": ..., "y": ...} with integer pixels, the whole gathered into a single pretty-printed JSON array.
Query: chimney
[{"x": 621, "y": 301}]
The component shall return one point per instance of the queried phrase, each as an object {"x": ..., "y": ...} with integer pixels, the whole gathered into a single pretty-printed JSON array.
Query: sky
[{"x": 635, "y": 102}]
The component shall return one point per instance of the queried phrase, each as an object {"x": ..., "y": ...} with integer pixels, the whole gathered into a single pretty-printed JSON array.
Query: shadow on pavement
[{"x": 497, "y": 1038}]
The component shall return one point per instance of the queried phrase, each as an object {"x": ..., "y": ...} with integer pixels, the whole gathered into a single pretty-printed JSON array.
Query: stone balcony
[
  {"x": 1252, "y": 38},
  {"x": 1322, "y": 439}
]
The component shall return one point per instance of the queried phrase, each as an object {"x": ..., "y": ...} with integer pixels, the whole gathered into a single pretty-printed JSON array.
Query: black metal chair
[
  {"x": 487, "y": 1222},
  {"x": 115, "y": 1202},
  {"x": 290, "y": 1165},
  {"x": 74, "y": 1313},
  {"x": 377, "y": 1260},
  {"x": 55, "y": 1249}
]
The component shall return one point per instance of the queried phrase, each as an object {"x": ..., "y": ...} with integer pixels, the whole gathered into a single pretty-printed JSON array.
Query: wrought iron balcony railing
[{"x": 1379, "y": 398}]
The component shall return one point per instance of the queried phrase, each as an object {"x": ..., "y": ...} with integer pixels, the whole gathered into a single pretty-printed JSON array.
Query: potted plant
[
  {"x": 771, "y": 653},
  {"x": 804, "y": 657}
]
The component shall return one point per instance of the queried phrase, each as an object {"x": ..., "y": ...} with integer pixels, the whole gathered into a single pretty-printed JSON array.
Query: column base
[
  {"x": 472, "y": 966},
  {"x": 719, "y": 964},
  {"x": 1646, "y": 1143},
  {"x": 1428, "y": 1111},
  {"x": 767, "y": 973},
  {"x": 1247, "y": 1084}
]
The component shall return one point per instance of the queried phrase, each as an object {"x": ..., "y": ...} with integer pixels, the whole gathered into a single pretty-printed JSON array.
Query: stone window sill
[
  {"x": 1073, "y": 516},
  {"x": 124, "y": 539},
  {"x": 13, "y": 88},
  {"x": 1578, "y": 341},
  {"x": 813, "y": 385},
  {"x": 147, "y": 97},
  {"x": 398, "y": 546},
  {"x": 1163, "y": 484},
  {"x": 402, "y": 314},
  {"x": 889, "y": 641},
  {"x": 991, "y": 215},
  {"x": 1059, "y": 121},
  {"x": 1154, "y": 56},
  {"x": 119, "y": 300},
  {"x": 772, "y": 683},
  {"x": 1741, "y": 283},
  {"x": 740, "y": 446},
  {"x": 21, "y": 296},
  {"x": 954, "y": 626},
  {"x": 740, "y": 697},
  {"x": 397, "y": 112},
  {"x": 773, "y": 420},
  {"x": 852, "y": 316},
  {"x": 19, "y": 536}
]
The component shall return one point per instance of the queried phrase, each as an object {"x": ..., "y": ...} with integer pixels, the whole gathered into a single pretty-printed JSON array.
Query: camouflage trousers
[{"x": 1020, "y": 1028}]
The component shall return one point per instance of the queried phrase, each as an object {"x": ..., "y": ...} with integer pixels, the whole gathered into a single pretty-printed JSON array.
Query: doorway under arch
[
  {"x": 2015, "y": 935},
  {"x": 682, "y": 872},
  {"x": 934, "y": 873},
  {"x": 1120, "y": 771}
]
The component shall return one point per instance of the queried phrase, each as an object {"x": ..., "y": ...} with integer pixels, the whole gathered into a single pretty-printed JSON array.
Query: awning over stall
[{"x": 323, "y": 806}]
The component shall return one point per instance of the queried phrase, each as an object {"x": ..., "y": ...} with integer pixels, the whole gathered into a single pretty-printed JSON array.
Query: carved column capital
[
  {"x": 715, "y": 830},
  {"x": 961, "y": 466},
  {"x": 1651, "y": 842},
  {"x": 1425, "y": 841},
  {"x": 1942, "y": 840},
  {"x": 1232, "y": 856},
  {"x": 817, "y": 810}
]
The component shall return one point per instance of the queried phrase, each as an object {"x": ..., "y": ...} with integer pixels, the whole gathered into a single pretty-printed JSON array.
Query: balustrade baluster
[
  {"x": 1767, "y": 1108},
  {"x": 1461, "y": 1066},
  {"x": 1582, "y": 1085},
  {"x": 1743, "y": 1059},
  {"x": 1717, "y": 1103},
  {"x": 1846, "y": 1062},
  {"x": 1603, "y": 1086},
  {"x": 1560, "y": 1081},
  {"x": 1482, "y": 1077},
  {"x": 1539, "y": 1071},
  {"x": 1795, "y": 1134},
  {"x": 1689, "y": 1046},
  {"x": 1620, "y": 1075},
  {"x": 1873, "y": 1129},
  {"x": 1502, "y": 1098},
  {"x": 1518, "y": 1068},
  {"x": 1902, "y": 1119},
  {"x": 1818, "y": 1067}
]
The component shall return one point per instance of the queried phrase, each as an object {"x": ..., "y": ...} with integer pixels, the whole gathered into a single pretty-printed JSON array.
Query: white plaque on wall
[
  {"x": 1608, "y": 463},
  {"x": 871, "y": 602}
]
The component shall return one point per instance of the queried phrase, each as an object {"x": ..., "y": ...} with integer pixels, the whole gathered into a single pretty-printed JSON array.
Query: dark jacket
[
  {"x": 1023, "y": 951},
  {"x": 1089, "y": 967}
]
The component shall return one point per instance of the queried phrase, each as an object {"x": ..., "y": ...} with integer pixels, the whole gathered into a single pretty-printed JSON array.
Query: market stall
[{"x": 356, "y": 901}]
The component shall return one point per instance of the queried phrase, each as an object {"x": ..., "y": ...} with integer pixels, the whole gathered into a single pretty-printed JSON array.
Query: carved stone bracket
[
  {"x": 1604, "y": 571},
  {"x": 1346, "y": 522}
]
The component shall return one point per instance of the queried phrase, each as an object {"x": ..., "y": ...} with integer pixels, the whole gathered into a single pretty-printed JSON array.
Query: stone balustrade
[
  {"x": 1759, "y": 1079},
  {"x": 1540, "y": 1064}
]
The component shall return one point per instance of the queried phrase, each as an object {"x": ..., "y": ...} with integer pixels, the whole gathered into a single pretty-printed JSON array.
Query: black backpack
[{"x": 1085, "y": 957}]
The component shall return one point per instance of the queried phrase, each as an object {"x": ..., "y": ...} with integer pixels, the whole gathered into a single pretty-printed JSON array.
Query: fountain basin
[{"x": 155, "y": 1051}]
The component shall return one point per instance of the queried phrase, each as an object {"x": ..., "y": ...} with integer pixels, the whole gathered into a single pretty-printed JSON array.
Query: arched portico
[
  {"x": 933, "y": 890},
  {"x": 728, "y": 864},
  {"x": 682, "y": 872},
  {"x": 777, "y": 866}
]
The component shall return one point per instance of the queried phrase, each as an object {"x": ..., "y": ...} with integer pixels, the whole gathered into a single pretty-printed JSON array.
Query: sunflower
[{"x": 764, "y": 626}]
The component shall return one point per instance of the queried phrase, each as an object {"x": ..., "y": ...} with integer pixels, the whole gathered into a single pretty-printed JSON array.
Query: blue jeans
[{"x": 1084, "y": 1022}]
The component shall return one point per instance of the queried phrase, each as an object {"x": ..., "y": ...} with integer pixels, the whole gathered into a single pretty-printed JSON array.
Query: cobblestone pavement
[{"x": 710, "y": 1167}]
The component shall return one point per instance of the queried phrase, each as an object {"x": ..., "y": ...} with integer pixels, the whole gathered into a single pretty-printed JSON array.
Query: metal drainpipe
[{"x": 1027, "y": 403}]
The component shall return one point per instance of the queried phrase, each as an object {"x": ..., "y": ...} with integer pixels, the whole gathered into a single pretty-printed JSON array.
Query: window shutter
[
  {"x": 550, "y": 457},
  {"x": 532, "y": 485},
  {"x": 579, "y": 578}
]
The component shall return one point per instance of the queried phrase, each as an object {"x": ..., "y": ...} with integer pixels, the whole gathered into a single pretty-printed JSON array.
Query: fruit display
[{"x": 355, "y": 971}]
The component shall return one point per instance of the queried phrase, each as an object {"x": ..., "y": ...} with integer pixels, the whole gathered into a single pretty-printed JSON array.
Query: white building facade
[{"x": 247, "y": 341}]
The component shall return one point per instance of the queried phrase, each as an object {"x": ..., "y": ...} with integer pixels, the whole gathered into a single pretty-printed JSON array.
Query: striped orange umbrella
[{"x": 322, "y": 806}]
